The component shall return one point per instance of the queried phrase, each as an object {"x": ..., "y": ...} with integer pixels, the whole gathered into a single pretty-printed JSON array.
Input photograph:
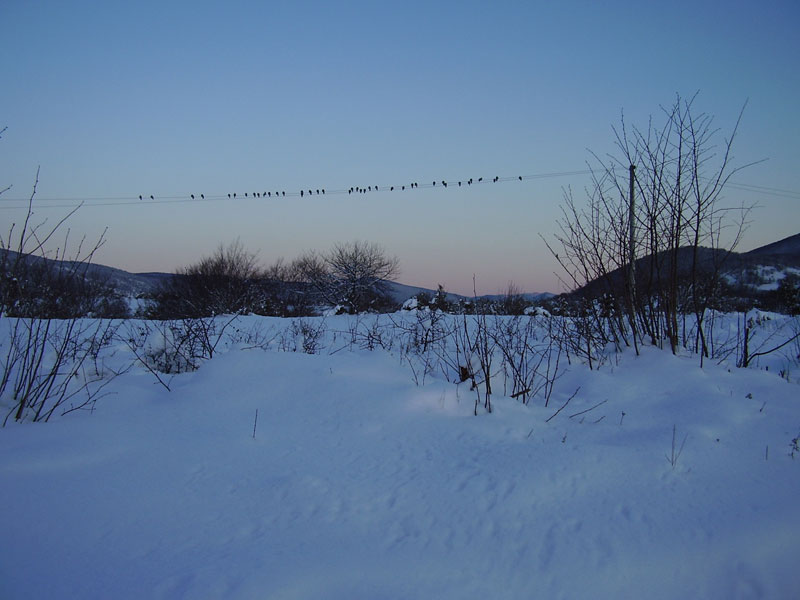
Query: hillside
[
  {"x": 749, "y": 276},
  {"x": 788, "y": 247}
]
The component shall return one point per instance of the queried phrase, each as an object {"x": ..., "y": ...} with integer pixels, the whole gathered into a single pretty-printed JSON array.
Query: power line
[
  {"x": 267, "y": 194},
  {"x": 760, "y": 189}
]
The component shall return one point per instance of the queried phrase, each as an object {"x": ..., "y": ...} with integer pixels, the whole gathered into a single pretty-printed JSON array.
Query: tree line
[{"x": 351, "y": 277}]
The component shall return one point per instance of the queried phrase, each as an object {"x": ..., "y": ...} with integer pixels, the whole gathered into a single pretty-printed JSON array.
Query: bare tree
[{"x": 353, "y": 275}]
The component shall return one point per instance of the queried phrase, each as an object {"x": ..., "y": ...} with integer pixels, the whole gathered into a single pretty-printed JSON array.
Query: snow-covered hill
[
  {"x": 748, "y": 275},
  {"x": 127, "y": 284}
]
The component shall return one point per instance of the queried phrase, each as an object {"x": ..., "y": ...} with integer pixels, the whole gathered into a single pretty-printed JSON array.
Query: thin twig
[
  {"x": 588, "y": 409},
  {"x": 563, "y": 406}
]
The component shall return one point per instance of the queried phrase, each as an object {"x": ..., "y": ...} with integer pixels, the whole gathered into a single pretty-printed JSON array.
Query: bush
[{"x": 227, "y": 282}]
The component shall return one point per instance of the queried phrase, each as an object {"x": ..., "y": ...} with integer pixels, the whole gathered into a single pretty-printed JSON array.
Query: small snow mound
[
  {"x": 411, "y": 304},
  {"x": 536, "y": 311}
]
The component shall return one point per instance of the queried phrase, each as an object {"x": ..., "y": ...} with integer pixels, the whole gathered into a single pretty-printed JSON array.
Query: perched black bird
[
  {"x": 495, "y": 179},
  {"x": 480, "y": 179},
  {"x": 192, "y": 195},
  {"x": 301, "y": 193},
  {"x": 140, "y": 196},
  {"x": 323, "y": 191},
  {"x": 459, "y": 184},
  {"x": 284, "y": 193},
  {"x": 434, "y": 184},
  {"x": 520, "y": 177},
  {"x": 202, "y": 196},
  {"x": 234, "y": 194},
  {"x": 245, "y": 194},
  {"x": 229, "y": 195},
  {"x": 444, "y": 183},
  {"x": 151, "y": 197}
]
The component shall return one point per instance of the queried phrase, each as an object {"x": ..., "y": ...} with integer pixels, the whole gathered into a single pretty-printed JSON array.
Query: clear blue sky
[{"x": 117, "y": 99}]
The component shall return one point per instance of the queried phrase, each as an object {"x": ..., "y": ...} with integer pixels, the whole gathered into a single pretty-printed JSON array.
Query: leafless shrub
[
  {"x": 224, "y": 283},
  {"x": 253, "y": 336},
  {"x": 47, "y": 366},
  {"x": 773, "y": 337},
  {"x": 303, "y": 335},
  {"x": 170, "y": 347},
  {"x": 46, "y": 361},
  {"x": 530, "y": 356},
  {"x": 367, "y": 332},
  {"x": 677, "y": 225}
]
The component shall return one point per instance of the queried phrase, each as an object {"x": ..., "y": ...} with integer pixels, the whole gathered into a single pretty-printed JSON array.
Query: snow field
[{"x": 360, "y": 484}]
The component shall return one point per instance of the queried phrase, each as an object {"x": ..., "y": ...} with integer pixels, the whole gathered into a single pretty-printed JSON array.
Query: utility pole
[{"x": 632, "y": 256}]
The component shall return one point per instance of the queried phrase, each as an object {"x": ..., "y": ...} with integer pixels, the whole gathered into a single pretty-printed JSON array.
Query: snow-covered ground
[
  {"x": 358, "y": 483},
  {"x": 762, "y": 278}
]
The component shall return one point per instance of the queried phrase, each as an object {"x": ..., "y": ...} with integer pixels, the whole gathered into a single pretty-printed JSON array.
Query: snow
[
  {"x": 536, "y": 311},
  {"x": 361, "y": 484},
  {"x": 411, "y": 304},
  {"x": 762, "y": 278}
]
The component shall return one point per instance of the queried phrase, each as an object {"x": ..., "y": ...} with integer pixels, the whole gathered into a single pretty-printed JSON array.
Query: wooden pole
[{"x": 632, "y": 256}]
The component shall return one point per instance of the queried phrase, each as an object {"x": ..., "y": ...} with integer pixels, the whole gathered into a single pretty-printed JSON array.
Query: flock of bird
[{"x": 352, "y": 190}]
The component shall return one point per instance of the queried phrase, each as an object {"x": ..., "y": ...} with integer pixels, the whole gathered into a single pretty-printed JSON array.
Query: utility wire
[
  {"x": 105, "y": 201},
  {"x": 760, "y": 189},
  {"x": 277, "y": 194}
]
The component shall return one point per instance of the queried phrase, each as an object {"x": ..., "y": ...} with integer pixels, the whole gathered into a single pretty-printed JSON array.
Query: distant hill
[
  {"x": 127, "y": 284},
  {"x": 787, "y": 247},
  {"x": 748, "y": 275}
]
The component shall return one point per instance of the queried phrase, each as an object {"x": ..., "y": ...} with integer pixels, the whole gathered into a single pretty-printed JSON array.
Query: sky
[{"x": 112, "y": 100}]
